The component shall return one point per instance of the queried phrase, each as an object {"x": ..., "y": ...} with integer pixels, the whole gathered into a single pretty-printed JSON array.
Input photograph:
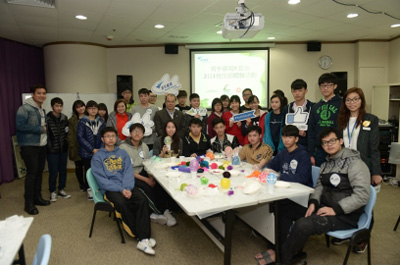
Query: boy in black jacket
[
  {"x": 57, "y": 149},
  {"x": 195, "y": 142},
  {"x": 323, "y": 114},
  {"x": 299, "y": 91}
]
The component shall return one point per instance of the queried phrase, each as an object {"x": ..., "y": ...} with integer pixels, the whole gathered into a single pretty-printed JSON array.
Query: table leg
[
  {"x": 275, "y": 206},
  {"x": 230, "y": 218},
  {"x": 21, "y": 255}
]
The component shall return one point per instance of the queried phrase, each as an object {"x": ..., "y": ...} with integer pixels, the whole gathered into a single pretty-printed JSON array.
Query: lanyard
[{"x": 350, "y": 135}]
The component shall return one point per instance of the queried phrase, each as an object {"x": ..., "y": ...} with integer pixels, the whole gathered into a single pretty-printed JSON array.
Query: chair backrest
[
  {"x": 315, "y": 175},
  {"x": 366, "y": 216},
  {"x": 43, "y": 250},
  {"x": 97, "y": 195}
]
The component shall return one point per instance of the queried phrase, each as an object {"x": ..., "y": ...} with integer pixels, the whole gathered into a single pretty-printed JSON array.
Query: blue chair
[
  {"x": 43, "y": 250},
  {"x": 315, "y": 175},
  {"x": 100, "y": 204},
  {"x": 362, "y": 233}
]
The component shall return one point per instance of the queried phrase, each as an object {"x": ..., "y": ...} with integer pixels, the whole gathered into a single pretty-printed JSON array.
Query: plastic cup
[
  {"x": 181, "y": 158},
  {"x": 271, "y": 188},
  {"x": 173, "y": 159}
]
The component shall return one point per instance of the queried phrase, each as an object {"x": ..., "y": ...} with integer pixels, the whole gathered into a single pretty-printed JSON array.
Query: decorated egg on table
[
  {"x": 226, "y": 174},
  {"x": 228, "y": 151},
  {"x": 194, "y": 165},
  {"x": 236, "y": 160},
  {"x": 204, "y": 180},
  {"x": 214, "y": 166},
  {"x": 191, "y": 190},
  {"x": 210, "y": 155},
  {"x": 183, "y": 186},
  {"x": 225, "y": 183}
]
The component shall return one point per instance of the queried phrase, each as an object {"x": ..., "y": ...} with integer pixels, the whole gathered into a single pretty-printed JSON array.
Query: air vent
[
  {"x": 37, "y": 3},
  {"x": 177, "y": 37}
]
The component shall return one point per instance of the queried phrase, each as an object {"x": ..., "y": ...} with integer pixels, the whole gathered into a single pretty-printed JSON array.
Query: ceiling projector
[{"x": 242, "y": 24}]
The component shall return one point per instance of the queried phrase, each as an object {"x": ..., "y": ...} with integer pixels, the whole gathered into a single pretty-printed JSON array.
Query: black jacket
[
  {"x": 189, "y": 146},
  {"x": 368, "y": 142},
  {"x": 57, "y": 131}
]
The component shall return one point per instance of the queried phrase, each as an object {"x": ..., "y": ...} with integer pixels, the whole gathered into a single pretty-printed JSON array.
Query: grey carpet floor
[{"x": 68, "y": 222}]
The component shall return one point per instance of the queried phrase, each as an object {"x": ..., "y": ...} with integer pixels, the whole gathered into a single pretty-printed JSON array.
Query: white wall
[
  {"x": 394, "y": 61},
  {"x": 75, "y": 68},
  {"x": 147, "y": 65},
  {"x": 292, "y": 61},
  {"x": 90, "y": 69}
]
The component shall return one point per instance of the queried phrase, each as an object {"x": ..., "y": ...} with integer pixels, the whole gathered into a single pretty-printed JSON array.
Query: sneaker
[
  {"x": 53, "y": 196},
  {"x": 360, "y": 247},
  {"x": 152, "y": 242},
  {"x": 89, "y": 194},
  {"x": 63, "y": 194},
  {"x": 158, "y": 218},
  {"x": 337, "y": 241},
  {"x": 144, "y": 245},
  {"x": 171, "y": 221}
]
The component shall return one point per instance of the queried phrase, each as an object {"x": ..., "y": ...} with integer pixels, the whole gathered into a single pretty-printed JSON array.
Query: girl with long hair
[{"x": 169, "y": 144}]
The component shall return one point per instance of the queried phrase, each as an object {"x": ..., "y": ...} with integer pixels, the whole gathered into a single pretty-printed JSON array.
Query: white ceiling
[{"x": 131, "y": 22}]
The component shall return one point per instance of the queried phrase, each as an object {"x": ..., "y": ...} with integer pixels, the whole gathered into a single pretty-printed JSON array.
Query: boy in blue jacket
[
  {"x": 112, "y": 169},
  {"x": 293, "y": 162}
]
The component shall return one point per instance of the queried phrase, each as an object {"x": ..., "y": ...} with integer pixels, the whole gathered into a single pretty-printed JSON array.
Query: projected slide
[{"x": 215, "y": 73}]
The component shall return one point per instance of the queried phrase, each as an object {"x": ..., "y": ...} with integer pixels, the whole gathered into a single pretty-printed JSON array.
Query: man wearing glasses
[
  {"x": 323, "y": 114},
  {"x": 112, "y": 169},
  {"x": 339, "y": 198}
]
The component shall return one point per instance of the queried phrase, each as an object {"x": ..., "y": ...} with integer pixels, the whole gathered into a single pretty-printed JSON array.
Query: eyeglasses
[
  {"x": 352, "y": 100},
  {"x": 137, "y": 131},
  {"x": 331, "y": 141},
  {"x": 329, "y": 85}
]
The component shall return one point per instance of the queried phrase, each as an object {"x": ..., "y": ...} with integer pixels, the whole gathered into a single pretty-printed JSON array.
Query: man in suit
[{"x": 167, "y": 114}]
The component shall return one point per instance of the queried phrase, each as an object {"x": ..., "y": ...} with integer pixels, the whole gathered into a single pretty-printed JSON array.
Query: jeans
[
  {"x": 57, "y": 166},
  {"x": 34, "y": 158},
  {"x": 305, "y": 227}
]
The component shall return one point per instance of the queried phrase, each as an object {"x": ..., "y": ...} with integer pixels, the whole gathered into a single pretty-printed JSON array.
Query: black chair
[{"x": 100, "y": 204}]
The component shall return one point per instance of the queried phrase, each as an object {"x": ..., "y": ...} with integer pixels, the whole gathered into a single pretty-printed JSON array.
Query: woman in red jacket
[{"x": 234, "y": 128}]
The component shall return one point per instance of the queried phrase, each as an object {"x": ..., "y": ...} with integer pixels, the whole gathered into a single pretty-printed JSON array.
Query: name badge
[{"x": 366, "y": 128}]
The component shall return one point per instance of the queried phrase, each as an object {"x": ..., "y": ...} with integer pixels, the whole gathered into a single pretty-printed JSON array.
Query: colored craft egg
[
  {"x": 225, "y": 183},
  {"x": 226, "y": 174},
  {"x": 183, "y": 186},
  {"x": 221, "y": 167},
  {"x": 214, "y": 166},
  {"x": 191, "y": 189},
  {"x": 204, "y": 180}
]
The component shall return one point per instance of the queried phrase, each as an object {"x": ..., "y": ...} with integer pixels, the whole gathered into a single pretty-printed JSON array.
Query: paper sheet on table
[{"x": 302, "y": 200}]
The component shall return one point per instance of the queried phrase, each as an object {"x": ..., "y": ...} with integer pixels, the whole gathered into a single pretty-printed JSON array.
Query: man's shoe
[
  {"x": 31, "y": 209},
  {"x": 337, "y": 241},
  {"x": 152, "y": 242},
  {"x": 63, "y": 194},
  {"x": 53, "y": 196},
  {"x": 158, "y": 218},
  {"x": 171, "y": 221},
  {"x": 40, "y": 201},
  {"x": 89, "y": 194},
  {"x": 360, "y": 247},
  {"x": 144, "y": 245}
]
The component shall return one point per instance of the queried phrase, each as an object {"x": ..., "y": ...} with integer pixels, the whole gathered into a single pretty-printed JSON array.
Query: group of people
[{"x": 337, "y": 133}]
